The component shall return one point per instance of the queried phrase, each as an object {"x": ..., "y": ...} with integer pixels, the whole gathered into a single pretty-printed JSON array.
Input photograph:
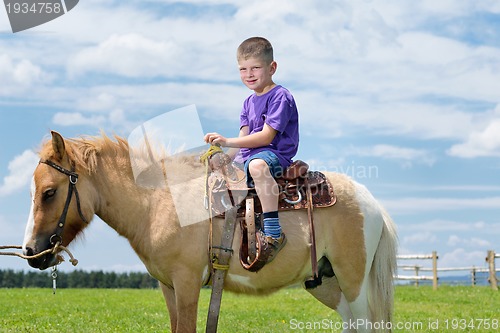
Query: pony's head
[{"x": 60, "y": 202}]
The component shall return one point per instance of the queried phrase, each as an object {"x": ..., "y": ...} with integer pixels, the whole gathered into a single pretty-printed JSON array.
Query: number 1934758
[
  {"x": 34, "y": 8},
  {"x": 471, "y": 324}
]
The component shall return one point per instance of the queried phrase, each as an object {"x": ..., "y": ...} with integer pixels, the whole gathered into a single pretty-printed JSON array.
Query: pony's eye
[{"x": 48, "y": 194}]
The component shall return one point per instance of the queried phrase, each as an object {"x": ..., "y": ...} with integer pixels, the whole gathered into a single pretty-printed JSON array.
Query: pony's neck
[
  {"x": 159, "y": 227},
  {"x": 122, "y": 204},
  {"x": 143, "y": 214}
]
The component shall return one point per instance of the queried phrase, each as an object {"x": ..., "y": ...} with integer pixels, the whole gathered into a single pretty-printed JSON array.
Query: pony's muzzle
[{"x": 43, "y": 262}]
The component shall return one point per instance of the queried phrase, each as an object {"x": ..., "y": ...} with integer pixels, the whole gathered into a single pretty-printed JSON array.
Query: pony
[{"x": 356, "y": 236}]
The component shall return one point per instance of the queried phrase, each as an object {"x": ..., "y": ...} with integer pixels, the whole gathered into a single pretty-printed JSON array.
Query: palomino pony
[{"x": 356, "y": 235}]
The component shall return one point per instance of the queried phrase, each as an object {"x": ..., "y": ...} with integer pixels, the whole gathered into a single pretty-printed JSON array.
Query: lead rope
[
  {"x": 205, "y": 158},
  {"x": 53, "y": 250}
]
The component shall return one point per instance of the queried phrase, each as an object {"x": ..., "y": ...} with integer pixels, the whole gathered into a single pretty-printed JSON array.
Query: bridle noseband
[{"x": 73, "y": 179}]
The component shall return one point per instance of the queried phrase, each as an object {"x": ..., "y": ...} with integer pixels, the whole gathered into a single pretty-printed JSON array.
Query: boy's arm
[
  {"x": 255, "y": 140},
  {"x": 232, "y": 152},
  {"x": 245, "y": 140}
]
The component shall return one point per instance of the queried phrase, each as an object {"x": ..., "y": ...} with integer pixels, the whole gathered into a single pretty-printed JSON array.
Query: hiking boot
[{"x": 275, "y": 245}]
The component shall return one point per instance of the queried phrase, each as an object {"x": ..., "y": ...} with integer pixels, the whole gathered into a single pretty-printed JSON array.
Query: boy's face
[{"x": 256, "y": 74}]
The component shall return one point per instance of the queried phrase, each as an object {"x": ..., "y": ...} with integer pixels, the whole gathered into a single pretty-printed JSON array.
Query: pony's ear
[{"x": 58, "y": 145}]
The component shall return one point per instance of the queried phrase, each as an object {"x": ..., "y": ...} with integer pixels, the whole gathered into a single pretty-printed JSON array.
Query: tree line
[{"x": 76, "y": 279}]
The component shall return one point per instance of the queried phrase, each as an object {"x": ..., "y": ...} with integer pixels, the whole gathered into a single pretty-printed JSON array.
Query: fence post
[
  {"x": 473, "y": 276},
  {"x": 417, "y": 269},
  {"x": 434, "y": 270},
  {"x": 490, "y": 259}
]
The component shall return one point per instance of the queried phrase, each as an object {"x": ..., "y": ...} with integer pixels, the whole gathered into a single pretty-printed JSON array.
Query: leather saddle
[
  {"x": 299, "y": 189},
  {"x": 227, "y": 187}
]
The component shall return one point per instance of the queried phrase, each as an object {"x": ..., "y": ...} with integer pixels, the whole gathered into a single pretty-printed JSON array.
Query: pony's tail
[{"x": 384, "y": 265}]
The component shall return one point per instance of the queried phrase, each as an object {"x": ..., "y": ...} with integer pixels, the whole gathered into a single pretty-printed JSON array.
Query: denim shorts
[{"x": 272, "y": 161}]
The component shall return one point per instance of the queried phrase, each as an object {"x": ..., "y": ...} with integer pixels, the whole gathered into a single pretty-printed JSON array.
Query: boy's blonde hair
[{"x": 255, "y": 47}]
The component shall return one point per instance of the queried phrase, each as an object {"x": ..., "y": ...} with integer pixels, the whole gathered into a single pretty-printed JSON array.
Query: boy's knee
[{"x": 257, "y": 167}]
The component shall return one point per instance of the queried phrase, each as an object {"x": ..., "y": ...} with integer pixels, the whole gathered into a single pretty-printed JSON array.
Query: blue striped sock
[{"x": 272, "y": 224}]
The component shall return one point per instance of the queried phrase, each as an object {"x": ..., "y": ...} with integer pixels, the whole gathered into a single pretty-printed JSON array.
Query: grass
[{"x": 450, "y": 309}]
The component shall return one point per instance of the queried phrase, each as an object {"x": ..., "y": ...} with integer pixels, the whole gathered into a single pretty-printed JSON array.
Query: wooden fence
[{"x": 490, "y": 259}]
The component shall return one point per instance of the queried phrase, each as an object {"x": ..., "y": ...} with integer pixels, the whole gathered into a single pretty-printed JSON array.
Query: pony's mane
[{"x": 85, "y": 151}]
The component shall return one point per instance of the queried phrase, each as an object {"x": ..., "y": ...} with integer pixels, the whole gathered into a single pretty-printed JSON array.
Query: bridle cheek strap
[{"x": 73, "y": 179}]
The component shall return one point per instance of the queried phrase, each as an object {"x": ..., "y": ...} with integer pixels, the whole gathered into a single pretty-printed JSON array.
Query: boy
[{"x": 269, "y": 132}]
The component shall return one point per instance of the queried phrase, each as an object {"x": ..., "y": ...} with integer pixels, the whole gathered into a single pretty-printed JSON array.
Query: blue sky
[{"x": 402, "y": 96}]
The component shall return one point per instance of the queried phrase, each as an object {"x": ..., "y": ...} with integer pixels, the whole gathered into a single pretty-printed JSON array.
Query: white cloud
[
  {"x": 222, "y": 100},
  {"x": 442, "y": 188},
  {"x": 356, "y": 171},
  {"x": 20, "y": 172},
  {"x": 114, "y": 118},
  {"x": 326, "y": 165},
  {"x": 451, "y": 8},
  {"x": 479, "y": 242},
  {"x": 461, "y": 257},
  {"x": 420, "y": 238},
  {"x": 448, "y": 7},
  {"x": 131, "y": 55},
  {"x": 117, "y": 117},
  {"x": 99, "y": 101},
  {"x": 454, "y": 240},
  {"x": 421, "y": 49},
  {"x": 17, "y": 76},
  {"x": 264, "y": 13},
  {"x": 467, "y": 188},
  {"x": 368, "y": 71},
  {"x": 480, "y": 143},
  {"x": 394, "y": 152},
  {"x": 411, "y": 205},
  {"x": 407, "y": 156},
  {"x": 473, "y": 242},
  {"x": 77, "y": 119},
  {"x": 439, "y": 225}
]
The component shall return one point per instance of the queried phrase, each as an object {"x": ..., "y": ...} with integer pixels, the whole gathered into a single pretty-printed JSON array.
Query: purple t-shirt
[{"x": 277, "y": 109}]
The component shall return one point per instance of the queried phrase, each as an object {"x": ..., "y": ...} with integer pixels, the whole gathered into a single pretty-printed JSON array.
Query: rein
[{"x": 73, "y": 179}]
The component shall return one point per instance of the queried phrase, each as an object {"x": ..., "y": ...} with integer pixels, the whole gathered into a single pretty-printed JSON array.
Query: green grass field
[{"x": 450, "y": 309}]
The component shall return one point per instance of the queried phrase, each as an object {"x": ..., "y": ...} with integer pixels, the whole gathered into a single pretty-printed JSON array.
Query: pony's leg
[
  {"x": 182, "y": 304},
  {"x": 169, "y": 295},
  {"x": 361, "y": 312},
  {"x": 345, "y": 312},
  {"x": 330, "y": 294},
  {"x": 187, "y": 293}
]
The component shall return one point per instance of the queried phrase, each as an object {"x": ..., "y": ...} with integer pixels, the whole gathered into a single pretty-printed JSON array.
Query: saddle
[
  {"x": 228, "y": 187},
  {"x": 299, "y": 189}
]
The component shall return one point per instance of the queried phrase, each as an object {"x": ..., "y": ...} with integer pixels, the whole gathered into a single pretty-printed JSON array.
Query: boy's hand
[{"x": 215, "y": 138}]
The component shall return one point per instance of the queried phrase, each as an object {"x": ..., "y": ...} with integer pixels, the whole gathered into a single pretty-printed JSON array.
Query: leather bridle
[{"x": 73, "y": 179}]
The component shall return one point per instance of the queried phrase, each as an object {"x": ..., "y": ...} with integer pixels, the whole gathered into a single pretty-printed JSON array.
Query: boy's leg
[
  {"x": 268, "y": 191},
  {"x": 265, "y": 185}
]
